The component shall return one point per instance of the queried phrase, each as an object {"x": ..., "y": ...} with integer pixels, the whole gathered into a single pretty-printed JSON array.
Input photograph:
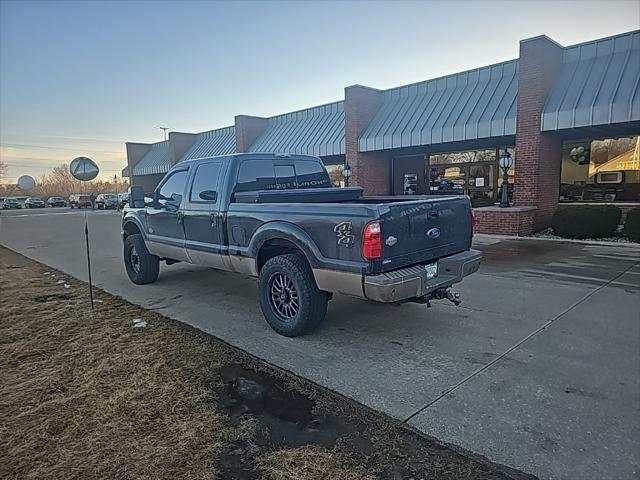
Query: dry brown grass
[
  {"x": 312, "y": 463},
  {"x": 87, "y": 396}
]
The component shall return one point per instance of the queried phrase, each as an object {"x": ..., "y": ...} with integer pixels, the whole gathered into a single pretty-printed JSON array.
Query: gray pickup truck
[{"x": 277, "y": 217}]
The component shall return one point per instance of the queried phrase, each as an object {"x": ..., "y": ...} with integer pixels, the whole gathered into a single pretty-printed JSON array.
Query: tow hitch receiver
[{"x": 442, "y": 294}]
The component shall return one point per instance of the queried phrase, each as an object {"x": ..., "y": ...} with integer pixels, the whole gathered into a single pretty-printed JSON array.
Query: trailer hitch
[{"x": 441, "y": 294}]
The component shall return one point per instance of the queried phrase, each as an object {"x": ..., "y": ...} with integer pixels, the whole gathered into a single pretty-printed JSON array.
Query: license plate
[{"x": 432, "y": 270}]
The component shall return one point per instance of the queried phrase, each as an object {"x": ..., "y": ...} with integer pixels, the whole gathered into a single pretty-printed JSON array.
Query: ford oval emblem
[{"x": 433, "y": 233}]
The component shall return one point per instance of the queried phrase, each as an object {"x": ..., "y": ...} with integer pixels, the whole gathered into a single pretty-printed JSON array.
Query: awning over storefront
[
  {"x": 214, "y": 142},
  {"x": 315, "y": 131},
  {"x": 471, "y": 105},
  {"x": 155, "y": 161},
  {"x": 597, "y": 85}
]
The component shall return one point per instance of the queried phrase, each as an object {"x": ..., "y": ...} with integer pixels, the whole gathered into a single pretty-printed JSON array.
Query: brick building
[{"x": 569, "y": 117}]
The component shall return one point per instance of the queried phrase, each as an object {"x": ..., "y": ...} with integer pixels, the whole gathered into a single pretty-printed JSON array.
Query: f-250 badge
[{"x": 343, "y": 234}]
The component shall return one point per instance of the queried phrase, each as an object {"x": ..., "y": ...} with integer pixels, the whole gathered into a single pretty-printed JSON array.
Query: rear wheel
[
  {"x": 141, "y": 266},
  {"x": 289, "y": 297}
]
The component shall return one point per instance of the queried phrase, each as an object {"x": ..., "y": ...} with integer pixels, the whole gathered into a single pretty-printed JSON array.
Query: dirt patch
[{"x": 87, "y": 395}]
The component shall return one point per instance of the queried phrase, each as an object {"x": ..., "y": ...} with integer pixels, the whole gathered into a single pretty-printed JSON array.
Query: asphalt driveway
[{"x": 539, "y": 369}]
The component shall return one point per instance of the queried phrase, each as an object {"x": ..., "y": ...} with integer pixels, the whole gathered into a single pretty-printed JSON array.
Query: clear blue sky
[{"x": 83, "y": 77}]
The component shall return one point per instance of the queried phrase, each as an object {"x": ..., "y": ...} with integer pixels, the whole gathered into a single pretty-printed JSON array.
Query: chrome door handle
[
  {"x": 214, "y": 219},
  {"x": 180, "y": 217}
]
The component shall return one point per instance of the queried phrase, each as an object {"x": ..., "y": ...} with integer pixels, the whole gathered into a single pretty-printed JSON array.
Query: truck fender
[
  {"x": 286, "y": 231},
  {"x": 132, "y": 219}
]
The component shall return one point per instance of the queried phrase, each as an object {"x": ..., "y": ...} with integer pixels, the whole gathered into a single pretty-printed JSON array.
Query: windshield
[{"x": 34, "y": 199}]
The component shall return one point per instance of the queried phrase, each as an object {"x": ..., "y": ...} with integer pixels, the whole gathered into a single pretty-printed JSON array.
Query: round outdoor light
[
  {"x": 506, "y": 162},
  {"x": 26, "y": 183}
]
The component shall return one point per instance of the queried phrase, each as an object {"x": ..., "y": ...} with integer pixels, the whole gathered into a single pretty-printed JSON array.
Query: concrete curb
[{"x": 485, "y": 236}]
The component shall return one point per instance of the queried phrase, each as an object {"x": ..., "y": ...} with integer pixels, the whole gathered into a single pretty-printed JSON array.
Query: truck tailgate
[{"x": 423, "y": 230}]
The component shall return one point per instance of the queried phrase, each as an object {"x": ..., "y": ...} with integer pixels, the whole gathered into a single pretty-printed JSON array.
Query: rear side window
[
  {"x": 205, "y": 182},
  {"x": 256, "y": 175},
  {"x": 311, "y": 174}
]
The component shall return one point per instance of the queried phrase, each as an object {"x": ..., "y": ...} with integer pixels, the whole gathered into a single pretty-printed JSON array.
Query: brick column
[
  {"x": 370, "y": 170},
  {"x": 538, "y": 155},
  {"x": 179, "y": 143},
  {"x": 135, "y": 152},
  {"x": 248, "y": 129}
]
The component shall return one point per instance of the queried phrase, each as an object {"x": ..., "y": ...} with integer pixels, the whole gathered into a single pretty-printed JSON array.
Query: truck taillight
[{"x": 372, "y": 241}]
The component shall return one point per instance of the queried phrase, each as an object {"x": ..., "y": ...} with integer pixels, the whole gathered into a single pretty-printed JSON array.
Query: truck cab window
[
  {"x": 173, "y": 188},
  {"x": 205, "y": 182},
  {"x": 311, "y": 174},
  {"x": 256, "y": 175},
  {"x": 285, "y": 177}
]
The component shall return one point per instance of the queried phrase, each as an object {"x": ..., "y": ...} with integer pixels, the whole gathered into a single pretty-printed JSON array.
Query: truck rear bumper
[{"x": 412, "y": 282}]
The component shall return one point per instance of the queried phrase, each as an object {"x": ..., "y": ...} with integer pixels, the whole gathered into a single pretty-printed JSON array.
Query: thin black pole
[{"x": 86, "y": 236}]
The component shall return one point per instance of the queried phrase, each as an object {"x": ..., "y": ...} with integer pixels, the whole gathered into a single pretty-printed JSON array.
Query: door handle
[
  {"x": 214, "y": 219},
  {"x": 180, "y": 217}
]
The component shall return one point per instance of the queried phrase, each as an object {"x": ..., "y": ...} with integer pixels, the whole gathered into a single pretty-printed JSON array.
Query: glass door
[{"x": 481, "y": 184}]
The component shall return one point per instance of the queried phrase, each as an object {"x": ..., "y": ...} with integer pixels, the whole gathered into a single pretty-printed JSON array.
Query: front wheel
[
  {"x": 141, "y": 266},
  {"x": 289, "y": 297}
]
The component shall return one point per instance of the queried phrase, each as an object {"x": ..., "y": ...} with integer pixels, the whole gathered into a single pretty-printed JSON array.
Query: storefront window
[
  {"x": 472, "y": 172},
  {"x": 601, "y": 171}
]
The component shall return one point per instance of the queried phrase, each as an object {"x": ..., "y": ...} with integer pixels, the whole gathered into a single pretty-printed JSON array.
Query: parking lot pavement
[{"x": 562, "y": 404}]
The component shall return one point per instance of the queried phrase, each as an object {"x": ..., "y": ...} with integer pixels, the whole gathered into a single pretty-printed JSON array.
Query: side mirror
[
  {"x": 209, "y": 195},
  {"x": 136, "y": 198}
]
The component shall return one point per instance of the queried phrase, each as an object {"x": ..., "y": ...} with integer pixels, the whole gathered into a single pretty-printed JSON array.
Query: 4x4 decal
[{"x": 343, "y": 234}]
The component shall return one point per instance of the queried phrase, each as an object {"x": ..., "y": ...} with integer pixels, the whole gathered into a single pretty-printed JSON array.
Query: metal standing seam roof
[
  {"x": 479, "y": 103},
  {"x": 315, "y": 131},
  {"x": 214, "y": 142},
  {"x": 597, "y": 84},
  {"x": 156, "y": 160}
]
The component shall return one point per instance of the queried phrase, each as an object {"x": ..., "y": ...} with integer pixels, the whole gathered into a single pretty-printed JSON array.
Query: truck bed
[{"x": 416, "y": 229}]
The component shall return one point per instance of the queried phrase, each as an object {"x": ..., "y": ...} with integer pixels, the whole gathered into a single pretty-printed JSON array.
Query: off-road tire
[
  {"x": 148, "y": 265},
  {"x": 312, "y": 302}
]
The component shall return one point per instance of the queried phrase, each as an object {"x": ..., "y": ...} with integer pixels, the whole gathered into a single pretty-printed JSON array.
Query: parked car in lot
[
  {"x": 11, "y": 203},
  {"x": 80, "y": 201},
  {"x": 106, "y": 200},
  {"x": 277, "y": 217},
  {"x": 123, "y": 198},
  {"x": 56, "y": 202},
  {"x": 33, "y": 202}
]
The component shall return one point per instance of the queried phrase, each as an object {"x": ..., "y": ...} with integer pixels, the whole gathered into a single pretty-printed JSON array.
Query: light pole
[
  {"x": 164, "y": 130},
  {"x": 346, "y": 172},
  {"x": 505, "y": 162}
]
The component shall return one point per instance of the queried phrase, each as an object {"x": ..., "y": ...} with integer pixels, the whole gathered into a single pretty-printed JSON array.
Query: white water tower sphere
[
  {"x": 84, "y": 169},
  {"x": 26, "y": 183}
]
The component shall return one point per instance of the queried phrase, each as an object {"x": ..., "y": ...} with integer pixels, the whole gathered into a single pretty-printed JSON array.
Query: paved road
[{"x": 562, "y": 405}]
